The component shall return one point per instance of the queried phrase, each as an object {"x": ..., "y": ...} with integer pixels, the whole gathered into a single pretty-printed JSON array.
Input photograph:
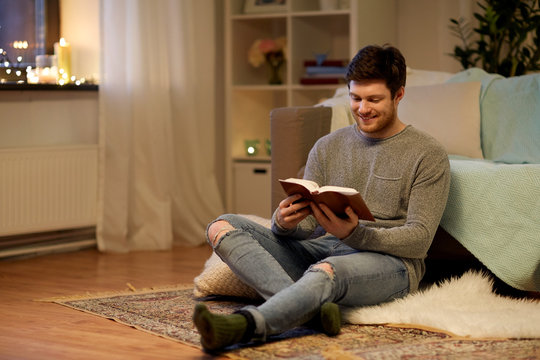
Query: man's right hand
[{"x": 292, "y": 210}]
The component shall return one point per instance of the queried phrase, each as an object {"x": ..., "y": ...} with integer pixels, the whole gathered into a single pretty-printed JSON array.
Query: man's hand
[
  {"x": 291, "y": 211},
  {"x": 339, "y": 227}
]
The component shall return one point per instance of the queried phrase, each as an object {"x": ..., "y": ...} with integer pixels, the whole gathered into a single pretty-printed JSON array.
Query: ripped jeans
[{"x": 284, "y": 272}]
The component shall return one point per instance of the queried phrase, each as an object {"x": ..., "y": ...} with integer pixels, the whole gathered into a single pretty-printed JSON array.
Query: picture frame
[{"x": 264, "y": 6}]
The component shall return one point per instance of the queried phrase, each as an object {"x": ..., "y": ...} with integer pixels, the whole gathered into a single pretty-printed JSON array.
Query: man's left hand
[{"x": 333, "y": 224}]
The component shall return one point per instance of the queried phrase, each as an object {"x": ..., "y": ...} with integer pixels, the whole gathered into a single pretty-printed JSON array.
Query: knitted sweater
[{"x": 404, "y": 180}]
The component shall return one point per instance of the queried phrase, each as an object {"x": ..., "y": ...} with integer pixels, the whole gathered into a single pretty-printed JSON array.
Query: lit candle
[
  {"x": 47, "y": 75},
  {"x": 46, "y": 70},
  {"x": 62, "y": 50}
]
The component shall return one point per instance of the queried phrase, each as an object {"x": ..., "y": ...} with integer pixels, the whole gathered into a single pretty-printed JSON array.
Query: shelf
[
  {"x": 260, "y": 87},
  {"x": 48, "y": 87},
  {"x": 258, "y": 16},
  {"x": 253, "y": 159},
  {"x": 316, "y": 87},
  {"x": 309, "y": 13},
  {"x": 309, "y": 30},
  {"x": 314, "y": 13}
]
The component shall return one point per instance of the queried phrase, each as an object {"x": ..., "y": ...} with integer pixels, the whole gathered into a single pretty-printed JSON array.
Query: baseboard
[{"x": 28, "y": 245}]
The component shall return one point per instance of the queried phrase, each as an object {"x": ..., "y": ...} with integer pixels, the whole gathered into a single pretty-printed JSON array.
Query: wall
[
  {"x": 48, "y": 118},
  {"x": 423, "y": 33},
  {"x": 79, "y": 25}
]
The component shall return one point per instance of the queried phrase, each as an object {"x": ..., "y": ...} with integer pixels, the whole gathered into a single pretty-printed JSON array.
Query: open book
[{"x": 337, "y": 198}]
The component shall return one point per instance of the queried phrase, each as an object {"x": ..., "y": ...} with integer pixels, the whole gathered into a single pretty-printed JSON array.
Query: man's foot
[
  {"x": 330, "y": 319},
  {"x": 218, "y": 331},
  {"x": 327, "y": 320}
]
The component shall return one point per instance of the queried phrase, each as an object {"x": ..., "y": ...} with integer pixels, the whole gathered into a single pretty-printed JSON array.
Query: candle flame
[{"x": 63, "y": 42}]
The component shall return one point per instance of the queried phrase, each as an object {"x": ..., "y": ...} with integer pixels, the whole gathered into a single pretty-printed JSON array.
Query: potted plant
[{"x": 507, "y": 40}]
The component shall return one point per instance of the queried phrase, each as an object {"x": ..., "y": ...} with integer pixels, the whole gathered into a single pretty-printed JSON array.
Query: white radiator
[{"x": 43, "y": 189}]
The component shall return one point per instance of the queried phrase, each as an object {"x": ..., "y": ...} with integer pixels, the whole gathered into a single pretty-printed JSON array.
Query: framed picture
[{"x": 264, "y": 6}]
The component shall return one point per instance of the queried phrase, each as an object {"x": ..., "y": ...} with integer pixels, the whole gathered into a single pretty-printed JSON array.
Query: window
[{"x": 27, "y": 28}]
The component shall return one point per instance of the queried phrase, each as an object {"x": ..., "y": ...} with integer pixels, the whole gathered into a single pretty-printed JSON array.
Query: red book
[
  {"x": 337, "y": 198},
  {"x": 321, "y": 80},
  {"x": 327, "y": 63}
]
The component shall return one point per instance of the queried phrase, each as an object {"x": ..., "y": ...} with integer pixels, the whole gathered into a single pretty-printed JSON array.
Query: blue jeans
[{"x": 282, "y": 271}]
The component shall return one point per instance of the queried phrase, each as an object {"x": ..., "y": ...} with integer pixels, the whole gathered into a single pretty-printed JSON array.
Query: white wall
[
  {"x": 48, "y": 118},
  {"x": 79, "y": 25},
  {"x": 423, "y": 33}
]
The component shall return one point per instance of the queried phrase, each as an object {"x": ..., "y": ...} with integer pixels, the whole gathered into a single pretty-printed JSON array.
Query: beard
[{"x": 377, "y": 126}]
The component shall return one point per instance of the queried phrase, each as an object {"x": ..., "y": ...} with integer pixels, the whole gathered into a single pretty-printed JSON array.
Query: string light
[{"x": 20, "y": 44}]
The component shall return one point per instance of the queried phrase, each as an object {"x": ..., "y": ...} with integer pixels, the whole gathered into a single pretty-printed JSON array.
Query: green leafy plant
[{"x": 507, "y": 39}]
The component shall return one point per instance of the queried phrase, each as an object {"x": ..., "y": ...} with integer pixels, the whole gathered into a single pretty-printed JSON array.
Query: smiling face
[{"x": 374, "y": 109}]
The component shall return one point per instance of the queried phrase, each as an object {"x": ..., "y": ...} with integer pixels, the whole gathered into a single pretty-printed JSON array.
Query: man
[{"x": 304, "y": 273}]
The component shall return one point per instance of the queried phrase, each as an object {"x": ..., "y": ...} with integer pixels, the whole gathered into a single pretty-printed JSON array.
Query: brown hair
[{"x": 379, "y": 62}]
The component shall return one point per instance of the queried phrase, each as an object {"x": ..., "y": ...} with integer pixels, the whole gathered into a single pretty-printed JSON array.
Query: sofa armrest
[{"x": 293, "y": 132}]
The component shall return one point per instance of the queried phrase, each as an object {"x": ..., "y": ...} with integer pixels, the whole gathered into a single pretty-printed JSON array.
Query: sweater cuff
[
  {"x": 356, "y": 236},
  {"x": 277, "y": 228}
]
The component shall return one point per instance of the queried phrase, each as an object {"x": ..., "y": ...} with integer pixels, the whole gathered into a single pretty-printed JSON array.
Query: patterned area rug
[{"x": 167, "y": 313}]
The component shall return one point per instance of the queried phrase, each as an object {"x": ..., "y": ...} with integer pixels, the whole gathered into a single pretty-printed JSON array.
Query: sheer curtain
[{"x": 157, "y": 115}]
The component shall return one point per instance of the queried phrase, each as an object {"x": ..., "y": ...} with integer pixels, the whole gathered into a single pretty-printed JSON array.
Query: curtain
[{"x": 157, "y": 180}]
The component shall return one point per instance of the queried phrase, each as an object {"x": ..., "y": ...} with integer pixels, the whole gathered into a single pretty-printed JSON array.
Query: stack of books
[{"x": 327, "y": 72}]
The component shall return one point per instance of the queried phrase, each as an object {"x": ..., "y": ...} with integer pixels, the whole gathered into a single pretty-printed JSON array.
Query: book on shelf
[
  {"x": 337, "y": 198},
  {"x": 336, "y": 70},
  {"x": 324, "y": 73},
  {"x": 329, "y": 62},
  {"x": 312, "y": 80}
]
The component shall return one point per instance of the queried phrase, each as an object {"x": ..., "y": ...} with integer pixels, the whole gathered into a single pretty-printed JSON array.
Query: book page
[
  {"x": 308, "y": 184},
  {"x": 338, "y": 189}
]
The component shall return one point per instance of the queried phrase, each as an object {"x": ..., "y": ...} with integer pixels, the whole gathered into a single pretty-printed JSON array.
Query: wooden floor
[{"x": 39, "y": 330}]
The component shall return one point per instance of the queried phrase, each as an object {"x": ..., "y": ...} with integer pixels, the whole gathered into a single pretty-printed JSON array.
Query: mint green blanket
[
  {"x": 510, "y": 113},
  {"x": 494, "y": 211}
]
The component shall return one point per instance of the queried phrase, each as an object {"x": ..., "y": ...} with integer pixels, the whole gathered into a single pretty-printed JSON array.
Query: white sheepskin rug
[{"x": 464, "y": 306}]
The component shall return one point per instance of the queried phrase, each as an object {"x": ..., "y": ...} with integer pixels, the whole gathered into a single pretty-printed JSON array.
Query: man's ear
[{"x": 399, "y": 94}]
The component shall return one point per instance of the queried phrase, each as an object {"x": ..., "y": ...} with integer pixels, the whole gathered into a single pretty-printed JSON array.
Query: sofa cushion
[
  {"x": 340, "y": 103},
  {"x": 448, "y": 112},
  {"x": 417, "y": 77},
  {"x": 510, "y": 110}
]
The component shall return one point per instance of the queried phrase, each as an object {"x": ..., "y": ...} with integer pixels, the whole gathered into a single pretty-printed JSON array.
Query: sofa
[{"x": 490, "y": 127}]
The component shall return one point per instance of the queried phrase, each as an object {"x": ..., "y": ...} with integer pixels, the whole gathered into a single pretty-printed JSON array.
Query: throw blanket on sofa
[
  {"x": 494, "y": 211},
  {"x": 510, "y": 109}
]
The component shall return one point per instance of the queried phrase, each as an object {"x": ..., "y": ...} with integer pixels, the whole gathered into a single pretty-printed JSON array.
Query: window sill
[{"x": 48, "y": 87}]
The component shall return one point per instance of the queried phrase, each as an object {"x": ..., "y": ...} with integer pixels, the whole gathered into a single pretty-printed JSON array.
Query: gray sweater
[{"x": 404, "y": 180}]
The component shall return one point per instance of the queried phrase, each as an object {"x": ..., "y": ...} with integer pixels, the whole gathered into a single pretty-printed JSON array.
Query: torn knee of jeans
[
  {"x": 325, "y": 267},
  {"x": 216, "y": 230}
]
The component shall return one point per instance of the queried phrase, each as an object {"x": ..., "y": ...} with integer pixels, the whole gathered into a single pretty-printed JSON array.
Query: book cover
[{"x": 337, "y": 198}]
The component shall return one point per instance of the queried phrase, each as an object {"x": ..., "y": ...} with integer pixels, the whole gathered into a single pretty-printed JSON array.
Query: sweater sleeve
[
  {"x": 303, "y": 230},
  {"x": 411, "y": 238}
]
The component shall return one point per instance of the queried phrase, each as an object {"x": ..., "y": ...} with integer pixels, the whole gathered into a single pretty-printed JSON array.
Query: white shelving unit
[{"x": 339, "y": 32}]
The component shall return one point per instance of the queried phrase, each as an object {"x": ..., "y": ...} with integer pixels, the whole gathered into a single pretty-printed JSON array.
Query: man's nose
[{"x": 364, "y": 108}]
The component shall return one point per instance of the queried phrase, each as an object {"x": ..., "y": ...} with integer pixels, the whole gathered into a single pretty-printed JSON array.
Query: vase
[{"x": 275, "y": 61}]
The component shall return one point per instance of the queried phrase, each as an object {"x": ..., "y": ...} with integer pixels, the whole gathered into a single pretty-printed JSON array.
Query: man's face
[{"x": 374, "y": 109}]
